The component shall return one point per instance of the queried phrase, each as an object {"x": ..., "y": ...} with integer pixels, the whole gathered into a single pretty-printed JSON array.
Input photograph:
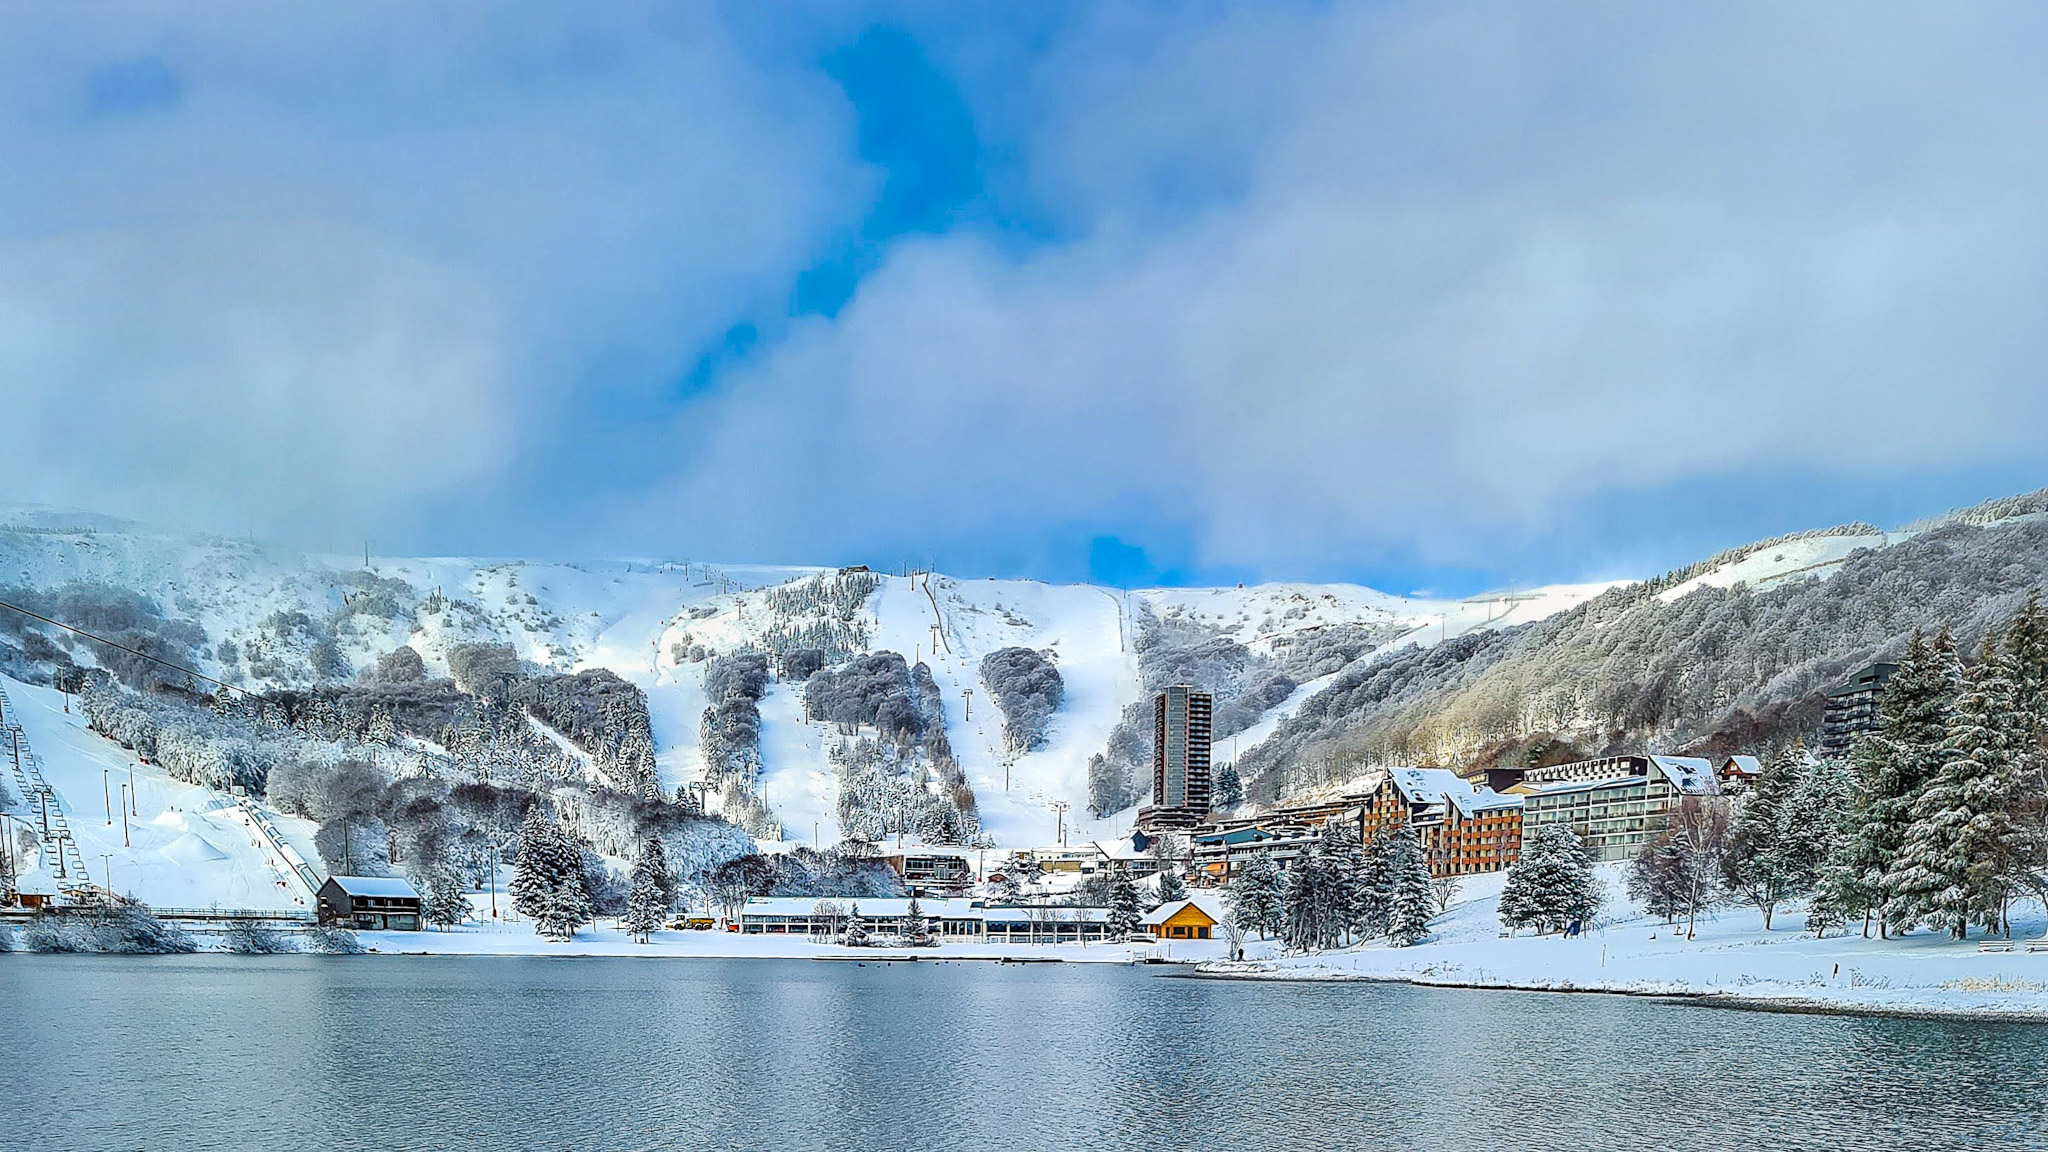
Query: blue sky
[{"x": 1429, "y": 296}]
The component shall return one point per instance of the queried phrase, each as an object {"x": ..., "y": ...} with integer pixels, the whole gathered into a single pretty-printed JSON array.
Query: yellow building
[{"x": 1195, "y": 918}]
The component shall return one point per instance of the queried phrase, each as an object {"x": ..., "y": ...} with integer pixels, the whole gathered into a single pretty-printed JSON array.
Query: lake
[{"x": 479, "y": 1054}]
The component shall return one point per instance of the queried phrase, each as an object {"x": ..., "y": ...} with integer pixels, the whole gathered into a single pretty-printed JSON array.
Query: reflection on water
[{"x": 207, "y": 1052}]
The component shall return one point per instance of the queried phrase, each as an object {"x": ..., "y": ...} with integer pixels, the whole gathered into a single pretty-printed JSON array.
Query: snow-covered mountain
[{"x": 269, "y": 618}]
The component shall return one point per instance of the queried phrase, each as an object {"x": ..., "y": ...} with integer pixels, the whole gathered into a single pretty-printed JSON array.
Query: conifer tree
[
  {"x": 1895, "y": 764},
  {"x": 1407, "y": 884},
  {"x": 1126, "y": 907},
  {"x": 547, "y": 883},
  {"x": 1229, "y": 788},
  {"x": 1257, "y": 896},
  {"x": 1770, "y": 857},
  {"x": 1301, "y": 926},
  {"x": 1951, "y": 871},
  {"x": 1372, "y": 888},
  {"x": 444, "y": 902},
  {"x": 2026, "y": 646},
  {"x": 1552, "y": 884},
  {"x": 647, "y": 899},
  {"x": 914, "y": 930},
  {"x": 1171, "y": 887}
]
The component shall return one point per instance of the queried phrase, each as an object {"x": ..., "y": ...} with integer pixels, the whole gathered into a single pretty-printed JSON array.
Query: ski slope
[
  {"x": 185, "y": 846},
  {"x": 630, "y": 615}
]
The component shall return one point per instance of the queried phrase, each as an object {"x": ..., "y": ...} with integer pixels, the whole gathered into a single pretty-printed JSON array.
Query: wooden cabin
[
  {"x": 1195, "y": 918},
  {"x": 372, "y": 903}
]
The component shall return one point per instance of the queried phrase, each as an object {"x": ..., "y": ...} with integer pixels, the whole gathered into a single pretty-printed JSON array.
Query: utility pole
[
  {"x": 124, "y": 817},
  {"x": 1059, "y": 810},
  {"x": 131, "y": 790},
  {"x": 107, "y": 870},
  {"x": 107, "y": 794}
]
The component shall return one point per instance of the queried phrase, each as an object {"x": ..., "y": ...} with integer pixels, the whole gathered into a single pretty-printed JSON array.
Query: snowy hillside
[
  {"x": 1731, "y": 654},
  {"x": 270, "y": 619}
]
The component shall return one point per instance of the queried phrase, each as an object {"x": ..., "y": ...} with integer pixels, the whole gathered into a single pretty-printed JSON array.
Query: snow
[
  {"x": 386, "y": 887},
  {"x": 1810, "y": 558},
  {"x": 626, "y": 615},
  {"x": 1210, "y": 906},
  {"x": 1731, "y": 956},
  {"x": 187, "y": 846}
]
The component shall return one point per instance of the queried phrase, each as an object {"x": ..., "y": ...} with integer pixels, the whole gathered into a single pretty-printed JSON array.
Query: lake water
[{"x": 479, "y": 1054}]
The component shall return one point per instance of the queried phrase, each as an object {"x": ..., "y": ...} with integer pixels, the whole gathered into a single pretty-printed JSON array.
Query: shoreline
[{"x": 1710, "y": 998}]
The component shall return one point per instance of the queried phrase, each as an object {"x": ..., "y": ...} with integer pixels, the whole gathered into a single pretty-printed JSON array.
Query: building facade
[
  {"x": 372, "y": 903},
  {"x": 1195, "y": 918},
  {"x": 1615, "y": 804},
  {"x": 1181, "y": 737},
  {"x": 1851, "y": 708}
]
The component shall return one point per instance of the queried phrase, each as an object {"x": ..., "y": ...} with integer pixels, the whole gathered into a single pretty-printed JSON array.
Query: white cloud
[
  {"x": 374, "y": 257},
  {"x": 1439, "y": 276}
]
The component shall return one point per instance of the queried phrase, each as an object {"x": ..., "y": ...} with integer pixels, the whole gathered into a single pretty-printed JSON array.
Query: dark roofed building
[
  {"x": 1852, "y": 709},
  {"x": 373, "y": 903}
]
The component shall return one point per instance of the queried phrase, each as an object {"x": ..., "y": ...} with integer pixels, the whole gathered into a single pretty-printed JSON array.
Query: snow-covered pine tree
[
  {"x": 1768, "y": 861},
  {"x": 1895, "y": 764},
  {"x": 1409, "y": 902},
  {"x": 2026, "y": 645},
  {"x": 1344, "y": 871},
  {"x": 530, "y": 877},
  {"x": 1301, "y": 926},
  {"x": 1229, "y": 788},
  {"x": 856, "y": 930},
  {"x": 1656, "y": 877},
  {"x": 1552, "y": 884},
  {"x": 1372, "y": 889},
  {"x": 1257, "y": 896},
  {"x": 647, "y": 899},
  {"x": 1126, "y": 906},
  {"x": 1171, "y": 886},
  {"x": 1951, "y": 871},
  {"x": 444, "y": 900},
  {"x": 547, "y": 883},
  {"x": 914, "y": 930}
]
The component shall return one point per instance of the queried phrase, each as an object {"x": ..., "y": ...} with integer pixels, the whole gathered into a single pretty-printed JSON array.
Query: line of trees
[
  {"x": 1939, "y": 819},
  {"x": 1338, "y": 891}
]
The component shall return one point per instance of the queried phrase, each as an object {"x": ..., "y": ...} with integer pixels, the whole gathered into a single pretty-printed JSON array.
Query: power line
[{"x": 125, "y": 648}]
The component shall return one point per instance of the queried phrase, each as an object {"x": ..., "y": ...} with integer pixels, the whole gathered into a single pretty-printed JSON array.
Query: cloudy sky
[{"x": 1442, "y": 295}]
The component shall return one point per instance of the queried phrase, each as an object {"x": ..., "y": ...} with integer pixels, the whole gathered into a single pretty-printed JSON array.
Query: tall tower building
[{"x": 1180, "y": 758}]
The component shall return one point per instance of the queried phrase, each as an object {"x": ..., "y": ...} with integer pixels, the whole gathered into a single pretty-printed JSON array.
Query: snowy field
[{"x": 1730, "y": 956}]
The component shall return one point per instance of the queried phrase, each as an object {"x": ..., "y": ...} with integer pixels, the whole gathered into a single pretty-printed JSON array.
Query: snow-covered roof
[
  {"x": 1690, "y": 775},
  {"x": 1484, "y": 800},
  {"x": 1209, "y": 906},
  {"x": 954, "y": 851},
  {"x": 1120, "y": 849},
  {"x": 384, "y": 887},
  {"x": 1745, "y": 765},
  {"x": 887, "y": 908},
  {"x": 1043, "y": 914},
  {"x": 1427, "y": 785},
  {"x": 36, "y": 884}
]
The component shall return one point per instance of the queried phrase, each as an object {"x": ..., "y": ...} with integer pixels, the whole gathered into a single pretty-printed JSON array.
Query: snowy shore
[{"x": 1730, "y": 960}]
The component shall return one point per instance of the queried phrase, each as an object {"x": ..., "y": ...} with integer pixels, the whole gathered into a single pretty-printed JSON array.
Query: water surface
[{"x": 486, "y": 1053}]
